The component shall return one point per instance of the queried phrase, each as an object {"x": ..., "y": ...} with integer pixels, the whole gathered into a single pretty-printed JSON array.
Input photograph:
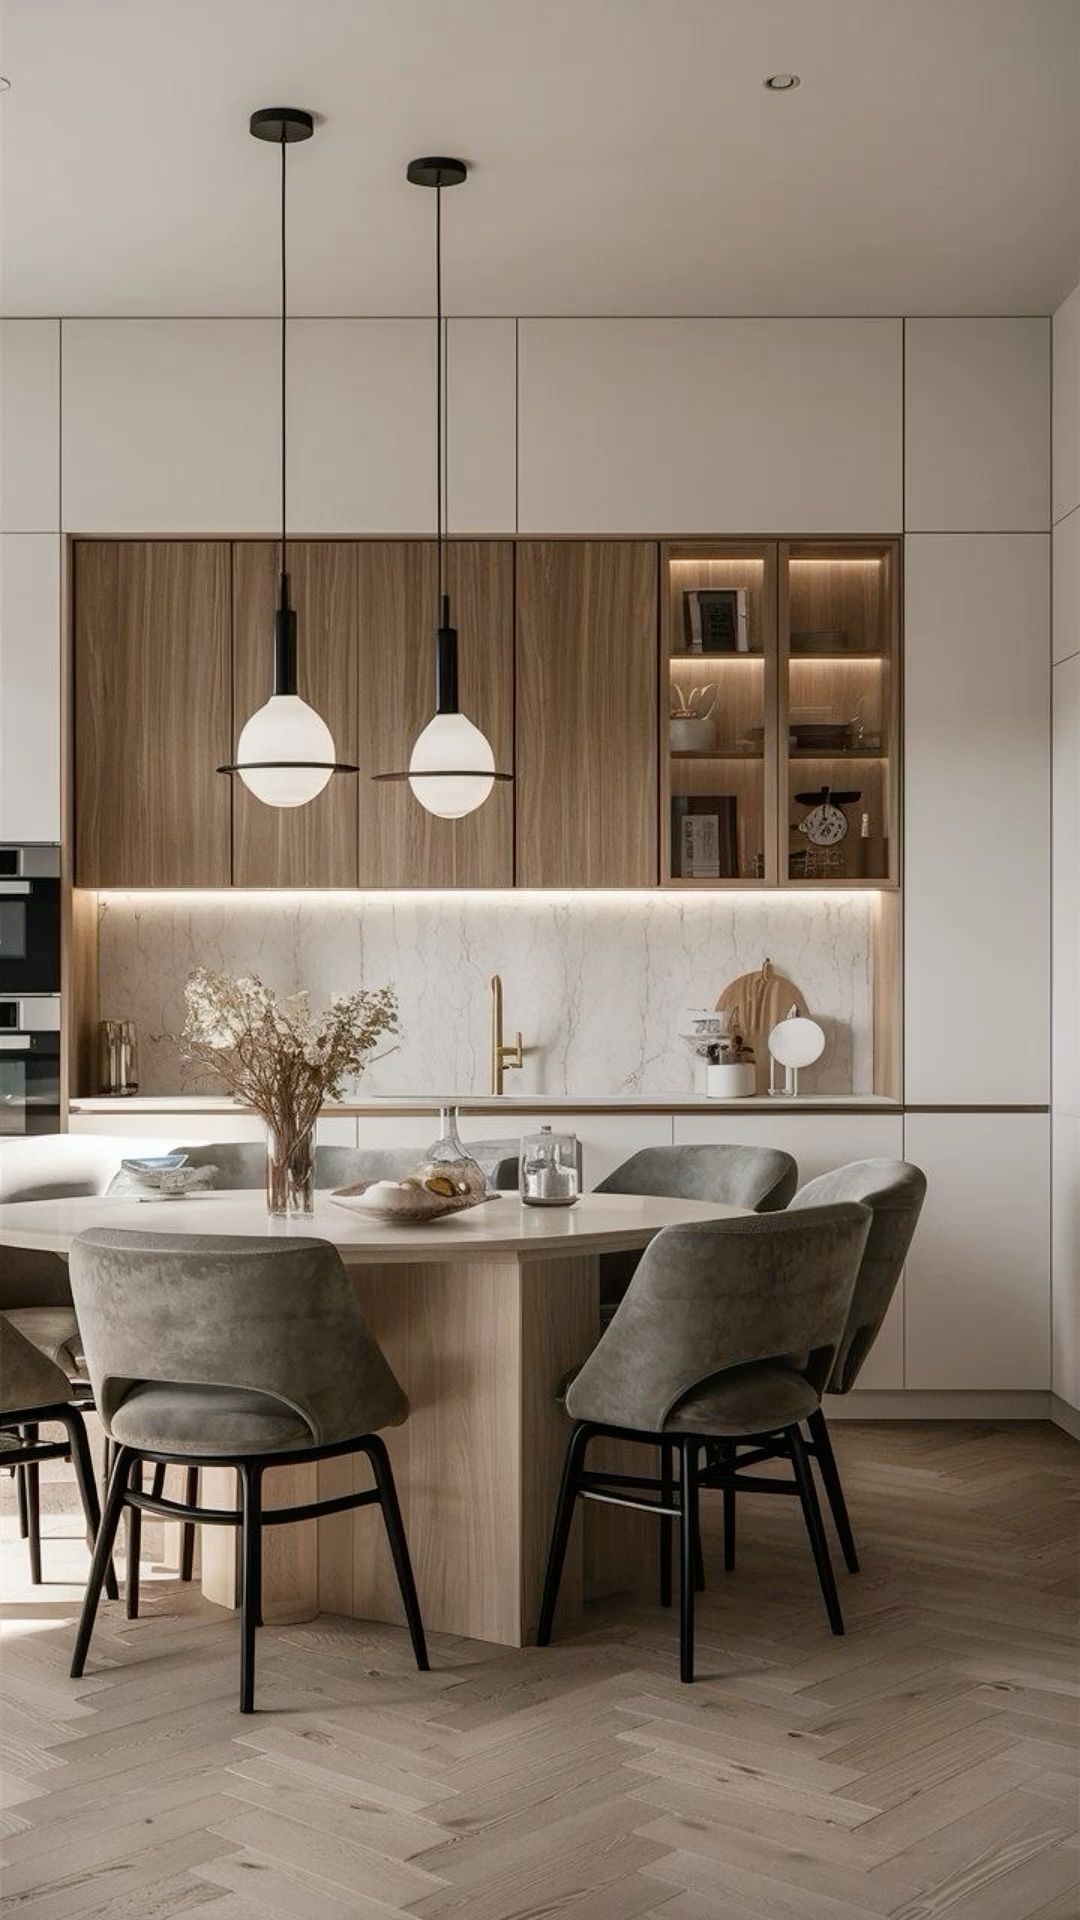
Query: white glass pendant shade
[
  {"x": 285, "y": 729},
  {"x": 448, "y": 742}
]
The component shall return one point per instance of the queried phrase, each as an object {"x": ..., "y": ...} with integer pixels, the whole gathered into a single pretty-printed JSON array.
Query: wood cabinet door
[
  {"x": 152, "y": 713},
  {"x": 401, "y": 844},
  {"x": 586, "y": 723},
  {"x": 313, "y": 845}
]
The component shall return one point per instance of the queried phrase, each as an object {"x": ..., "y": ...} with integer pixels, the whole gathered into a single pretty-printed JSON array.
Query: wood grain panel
[
  {"x": 586, "y": 713},
  {"x": 152, "y": 713},
  {"x": 314, "y": 845},
  {"x": 401, "y": 844}
]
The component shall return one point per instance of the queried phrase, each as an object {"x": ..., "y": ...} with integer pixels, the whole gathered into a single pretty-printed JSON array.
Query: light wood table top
[{"x": 600, "y": 1222}]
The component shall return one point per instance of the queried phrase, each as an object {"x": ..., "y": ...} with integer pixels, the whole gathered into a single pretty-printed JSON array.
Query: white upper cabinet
[
  {"x": 977, "y": 1279},
  {"x": 30, "y": 686},
  {"x": 977, "y": 818},
  {"x": 706, "y": 426},
  {"x": 172, "y": 426},
  {"x": 977, "y": 426},
  {"x": 1067, "y": 406},
  {"x": 30, "y": 426},
  {"x": 1066, "y": 915}
]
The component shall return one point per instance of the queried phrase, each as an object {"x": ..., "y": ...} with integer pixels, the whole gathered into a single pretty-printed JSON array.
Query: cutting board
[{"x": 762, "y": 998}]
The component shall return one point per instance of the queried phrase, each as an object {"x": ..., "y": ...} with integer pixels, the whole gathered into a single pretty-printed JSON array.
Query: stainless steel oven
[
  {"x": 29, "y": 919},
  {"x": 29, "y": 1064}
]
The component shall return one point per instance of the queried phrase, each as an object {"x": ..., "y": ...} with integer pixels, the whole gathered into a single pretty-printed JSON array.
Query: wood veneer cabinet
[
  {"x": 152, "y": 716},
  {"x": 586, "y": 713},
  {"x": 401, "y": 844},
  {"x": 314, "y": 845}
]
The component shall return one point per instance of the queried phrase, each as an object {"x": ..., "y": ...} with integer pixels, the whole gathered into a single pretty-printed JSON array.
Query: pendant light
[
  {"x": 452, "y": 767},
  {"x": 285, "y": 753}
]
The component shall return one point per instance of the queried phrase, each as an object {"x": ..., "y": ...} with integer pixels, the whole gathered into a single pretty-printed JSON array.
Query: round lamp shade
[
  {"x": 285, "y": 729},
  {"x": 796, "y": 1043},
  {"x": 450, "y": 742}
]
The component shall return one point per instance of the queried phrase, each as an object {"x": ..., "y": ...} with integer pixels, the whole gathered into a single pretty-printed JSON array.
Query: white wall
[{"x": 1066, "y": 875}]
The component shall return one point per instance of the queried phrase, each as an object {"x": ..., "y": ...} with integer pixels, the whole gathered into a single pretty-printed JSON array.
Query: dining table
[{"x": 482, "y": 1315}]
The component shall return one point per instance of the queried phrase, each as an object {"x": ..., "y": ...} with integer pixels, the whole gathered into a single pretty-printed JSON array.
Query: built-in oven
[
  {"x": 29, "y": 1064},
  {"x": 29, "y": 919}
]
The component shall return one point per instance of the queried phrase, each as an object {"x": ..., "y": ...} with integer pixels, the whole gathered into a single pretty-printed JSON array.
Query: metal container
[
  {"x": 118, "y": 1057},
  {"x": 550, "y": 1169}
]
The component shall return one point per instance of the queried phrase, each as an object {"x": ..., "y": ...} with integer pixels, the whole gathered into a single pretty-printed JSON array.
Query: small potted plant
[
  {"x": 277, "y": 1056},
  {"x": 691, "y": 728}
]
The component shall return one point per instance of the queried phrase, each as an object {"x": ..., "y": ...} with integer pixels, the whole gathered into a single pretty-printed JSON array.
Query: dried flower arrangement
[{"x": 277, "y": 1056}]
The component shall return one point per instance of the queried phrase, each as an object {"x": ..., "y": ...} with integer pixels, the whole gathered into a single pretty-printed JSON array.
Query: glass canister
[{"x": 549, "y": 1169}]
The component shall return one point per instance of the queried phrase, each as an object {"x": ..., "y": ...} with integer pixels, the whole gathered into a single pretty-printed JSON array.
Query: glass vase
[{"x": 290, "y": 1172}]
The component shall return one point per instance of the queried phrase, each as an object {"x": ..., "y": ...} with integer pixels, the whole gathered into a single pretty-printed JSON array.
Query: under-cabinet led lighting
[{"x": 520, "y": 897}]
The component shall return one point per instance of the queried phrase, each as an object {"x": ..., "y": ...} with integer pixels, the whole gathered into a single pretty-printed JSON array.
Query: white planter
[{"x": 728, "y": 1082}]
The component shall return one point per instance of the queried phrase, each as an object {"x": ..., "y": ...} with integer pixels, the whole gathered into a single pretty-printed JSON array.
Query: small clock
[{"x": 825, "y": 825}]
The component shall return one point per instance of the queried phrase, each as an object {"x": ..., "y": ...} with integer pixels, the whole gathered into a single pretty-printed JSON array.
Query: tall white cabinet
[
  {"x": 977, "y": 850},
  {"x": 30, "y": 568}
]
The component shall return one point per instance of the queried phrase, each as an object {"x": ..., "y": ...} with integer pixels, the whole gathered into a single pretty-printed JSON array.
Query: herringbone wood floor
[{"x": 924, "y": 1766}]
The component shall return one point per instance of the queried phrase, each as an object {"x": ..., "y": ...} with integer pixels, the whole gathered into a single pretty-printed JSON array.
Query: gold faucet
[{"x": 502, "y": 1056}]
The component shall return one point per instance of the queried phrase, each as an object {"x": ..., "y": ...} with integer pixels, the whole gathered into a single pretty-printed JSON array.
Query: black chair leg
[
  {"x": 187, "y": 1550},
  {"x": 114, "y": 1506},
  {"x": 399, "y": 1546},
  {"x": 731, "y": 1461},
  {"x": 560, "y": 1533},
  {"x": 33, "y": 1506},
  {"x": 667, "y": 1525},
  {"x": 84, "y": 1475},
  {"x": 815, "y": 1526},
  {"x": 134, "y": 1549},
  {"x": 830, "y": 1475},
  {"x": 251, "y": 1582},
  {"x": 688, "y": 1543},
  {"x": 20, "y": 1495}
]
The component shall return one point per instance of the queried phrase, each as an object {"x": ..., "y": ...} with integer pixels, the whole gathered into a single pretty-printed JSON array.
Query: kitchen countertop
[{"x": 404, "y": 1104}]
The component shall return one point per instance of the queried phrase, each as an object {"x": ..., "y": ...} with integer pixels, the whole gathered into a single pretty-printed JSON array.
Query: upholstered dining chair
[
  {"x": 729, "y": 1330},
  {"x": 894, "y": 1191},
  {"x": 245, "y": 1353},
  {"x": 35, "y": 1392},
  {"x": 763, "y": 1178}
]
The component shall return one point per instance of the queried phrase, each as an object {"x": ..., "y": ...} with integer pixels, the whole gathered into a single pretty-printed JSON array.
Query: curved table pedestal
[{"x": 484, "y": 1346}]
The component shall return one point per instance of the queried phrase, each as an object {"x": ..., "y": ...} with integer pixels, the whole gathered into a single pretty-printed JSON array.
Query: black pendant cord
[
  {"x": 440, "y": 532},
  {"x": 283, "y": 569},
  {"x": 284, "y": 619}
]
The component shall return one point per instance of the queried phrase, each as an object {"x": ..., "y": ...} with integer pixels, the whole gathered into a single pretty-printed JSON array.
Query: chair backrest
[
  {"x": 764, "y": 1178},
  {"x": 343, "y": 1166},
  {"x": 894, "y": 1191},
  {"x": 277, "y": 1316},
  {"x": 28, "y": 1378},
  {"x": 722, "y": 1294}
]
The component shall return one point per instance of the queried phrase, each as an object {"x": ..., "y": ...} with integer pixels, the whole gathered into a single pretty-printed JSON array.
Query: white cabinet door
[
  {"x": 1066, "y": 916},
  {"x": 977, "y": 425},
  {"x": 1067, "y": 586},
  {"x": 977, "y": 818},
  {"x": 978, "y": 1274},
  {"x": 30, "y": 686},
  {"x": 1066, "y": 1257},
  {"x": 157, "y": 1132},
  {"x": 30, "y": 426},
  {"x": 819, "y": 1142},
  {"x": 171, "y": 426},
  {"x": 702, "y": 426}
]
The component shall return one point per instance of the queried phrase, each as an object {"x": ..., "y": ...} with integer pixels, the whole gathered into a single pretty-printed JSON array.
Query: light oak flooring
[{"x": 924, "y": 1766}]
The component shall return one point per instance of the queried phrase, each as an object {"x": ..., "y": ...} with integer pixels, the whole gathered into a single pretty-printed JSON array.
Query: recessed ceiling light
[{"x": 782, "y": 82}]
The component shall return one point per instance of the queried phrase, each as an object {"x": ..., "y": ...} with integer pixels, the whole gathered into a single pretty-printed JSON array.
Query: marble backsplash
[{"x": 595, "y": 981}]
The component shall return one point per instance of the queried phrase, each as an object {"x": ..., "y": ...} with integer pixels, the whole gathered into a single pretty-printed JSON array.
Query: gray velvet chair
[
  {"x": 219, "y": 1351},
  {"x": 729, "y": 1330},
  {"x": 894, "y": 1191},
  {"x": 764, "y": 1178},
  {"x": 35, "y": 1392}
]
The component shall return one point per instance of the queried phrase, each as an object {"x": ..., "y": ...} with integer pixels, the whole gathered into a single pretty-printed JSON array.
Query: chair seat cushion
[
  {"x": 751, "y": 1399},
  {"x": 171, "y": 1418},
  {"x": 54, "y": 1331}
]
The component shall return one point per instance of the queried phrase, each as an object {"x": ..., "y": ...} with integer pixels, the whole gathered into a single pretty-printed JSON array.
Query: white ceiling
[{"x": 627, "y": 158}]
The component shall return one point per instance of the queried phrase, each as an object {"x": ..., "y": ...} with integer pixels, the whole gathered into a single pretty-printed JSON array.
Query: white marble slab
[{"x": 595, "y": 981}]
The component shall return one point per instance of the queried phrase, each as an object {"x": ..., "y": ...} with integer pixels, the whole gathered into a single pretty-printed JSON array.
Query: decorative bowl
[{"x": 431, "y": 1193}]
